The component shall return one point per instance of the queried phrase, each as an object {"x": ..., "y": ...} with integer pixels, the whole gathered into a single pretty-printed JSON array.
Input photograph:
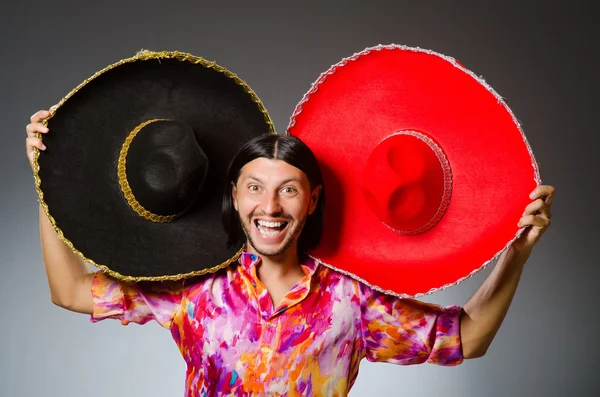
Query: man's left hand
[{"x": 536, "y": 218}]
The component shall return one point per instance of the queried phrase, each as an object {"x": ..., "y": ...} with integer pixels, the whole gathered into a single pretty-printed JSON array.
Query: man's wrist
[{"x": 517, "y": 256}]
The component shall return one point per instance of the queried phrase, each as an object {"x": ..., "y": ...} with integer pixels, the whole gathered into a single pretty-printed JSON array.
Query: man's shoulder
[
  {"x": 221, "y": 277},
  {"x": 332, "y": 275}
]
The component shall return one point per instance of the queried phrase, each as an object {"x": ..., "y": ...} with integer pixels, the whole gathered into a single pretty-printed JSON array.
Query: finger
[
  {"x": 534, "y": 220},
  {"x": 543, "y": 191},
  {"x": 39, "y": 116},
  {"x": 534, "y": 207},
  {"x": 34, "y": 128},
  {"x": 35, "y": 142},
  {"x": 546, "y": 210}
]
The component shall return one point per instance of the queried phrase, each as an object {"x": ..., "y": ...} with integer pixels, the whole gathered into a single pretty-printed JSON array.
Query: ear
[
  {"x": 314, "y": 199},
  {"x": 234, "y": 196}
]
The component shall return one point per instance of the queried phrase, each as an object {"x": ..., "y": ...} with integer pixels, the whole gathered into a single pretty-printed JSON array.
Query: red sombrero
[{"x": 427, "y": 171}]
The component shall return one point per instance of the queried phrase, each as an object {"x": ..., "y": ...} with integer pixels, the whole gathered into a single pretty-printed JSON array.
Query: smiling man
[
  {"x": 277, "y": 323},
  {"x": 273, "y": 201}
]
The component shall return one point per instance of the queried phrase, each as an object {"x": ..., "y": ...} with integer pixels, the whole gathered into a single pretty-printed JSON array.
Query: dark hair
[{"x": 294, "y": 152}]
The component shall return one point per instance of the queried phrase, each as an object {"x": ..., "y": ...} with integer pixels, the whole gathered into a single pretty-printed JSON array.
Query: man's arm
[
  {"x": 484, "y": 312},
  {"x": 69, "y": 279}
]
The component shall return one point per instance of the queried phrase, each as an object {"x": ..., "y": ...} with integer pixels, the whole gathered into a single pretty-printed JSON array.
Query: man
[{"x": 278, "y": 323}]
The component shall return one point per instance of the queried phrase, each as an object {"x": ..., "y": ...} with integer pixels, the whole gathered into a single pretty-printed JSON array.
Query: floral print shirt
[{"x": 237, "y": 343}]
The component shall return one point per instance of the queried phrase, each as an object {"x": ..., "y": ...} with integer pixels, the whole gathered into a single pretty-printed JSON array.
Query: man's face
[{"x": 273, "y": 199}]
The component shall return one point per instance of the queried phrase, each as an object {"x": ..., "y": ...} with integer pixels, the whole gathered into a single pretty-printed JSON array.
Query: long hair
[{"x": 294, "y": 152}]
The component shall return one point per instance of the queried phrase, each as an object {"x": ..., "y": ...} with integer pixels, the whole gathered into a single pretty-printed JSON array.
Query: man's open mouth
[{"x": 270, "y": 229}]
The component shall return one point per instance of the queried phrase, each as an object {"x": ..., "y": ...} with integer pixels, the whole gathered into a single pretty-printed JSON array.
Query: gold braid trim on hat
[
  {"x": 126, "y": 189},
  {"x": 143, "y": 55}
]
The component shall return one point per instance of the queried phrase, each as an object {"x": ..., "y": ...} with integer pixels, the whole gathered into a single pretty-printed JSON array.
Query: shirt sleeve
[
  {"x": 407, "y": 331},
  {"x": 133, "y": 302}
]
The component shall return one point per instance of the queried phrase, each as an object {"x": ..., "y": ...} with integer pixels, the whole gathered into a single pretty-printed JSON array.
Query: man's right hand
[{"x": 33, "y": 129}]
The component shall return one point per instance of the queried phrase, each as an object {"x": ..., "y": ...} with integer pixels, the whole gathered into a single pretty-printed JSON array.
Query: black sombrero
[{"x": 133, "y": 176}]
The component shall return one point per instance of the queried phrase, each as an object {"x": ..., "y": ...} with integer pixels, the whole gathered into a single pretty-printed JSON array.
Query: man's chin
[{"x": 270, "y": 250}]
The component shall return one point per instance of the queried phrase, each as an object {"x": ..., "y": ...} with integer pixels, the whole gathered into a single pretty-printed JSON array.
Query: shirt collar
[{"x": 249, "y": 261}]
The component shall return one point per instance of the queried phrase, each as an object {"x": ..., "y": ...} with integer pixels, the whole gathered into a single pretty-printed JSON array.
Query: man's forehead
[{"x": 263, "y": 169}]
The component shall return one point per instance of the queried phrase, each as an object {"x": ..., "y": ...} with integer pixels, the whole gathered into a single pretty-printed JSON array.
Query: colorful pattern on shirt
[{"x": 236, "y": 343}]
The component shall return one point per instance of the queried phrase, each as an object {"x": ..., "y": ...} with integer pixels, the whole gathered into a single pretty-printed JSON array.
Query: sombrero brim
[
  {"x": 365, "y": 98},
  {"x": 77, "y": 177}
]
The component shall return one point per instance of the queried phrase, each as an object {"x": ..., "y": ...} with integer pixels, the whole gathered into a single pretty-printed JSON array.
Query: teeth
[
  {"x": 269, "y": 229},
  {"x": 268, "y": 233},
  {"x": 270, "y": 224}
]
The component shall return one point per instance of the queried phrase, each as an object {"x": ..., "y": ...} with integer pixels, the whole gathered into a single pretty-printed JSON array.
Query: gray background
[{"x": 540, "y": 57}]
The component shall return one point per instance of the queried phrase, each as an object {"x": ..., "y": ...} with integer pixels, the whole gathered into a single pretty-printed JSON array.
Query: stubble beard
[{"x": 292, "y": 237}]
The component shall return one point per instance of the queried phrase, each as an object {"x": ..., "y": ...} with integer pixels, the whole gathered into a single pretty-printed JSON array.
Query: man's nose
[{"x": 272, "y": 206}]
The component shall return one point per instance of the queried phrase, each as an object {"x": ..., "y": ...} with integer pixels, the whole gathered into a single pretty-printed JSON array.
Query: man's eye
[
  {"x": 253, "y": 188},
  {"x": 289, "y": 189}
]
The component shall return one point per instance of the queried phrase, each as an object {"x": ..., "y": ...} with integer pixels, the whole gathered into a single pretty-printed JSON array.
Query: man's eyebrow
[
  {"x": 293, "y": 179},
  {"x": 253, "y": 178}
]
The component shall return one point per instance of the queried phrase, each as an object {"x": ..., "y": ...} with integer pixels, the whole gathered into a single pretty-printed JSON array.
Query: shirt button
[{"x": 265, "y": 349}]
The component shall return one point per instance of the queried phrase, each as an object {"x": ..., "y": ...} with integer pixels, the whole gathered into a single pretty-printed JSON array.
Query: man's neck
[{"x": 283, "y": 266}]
